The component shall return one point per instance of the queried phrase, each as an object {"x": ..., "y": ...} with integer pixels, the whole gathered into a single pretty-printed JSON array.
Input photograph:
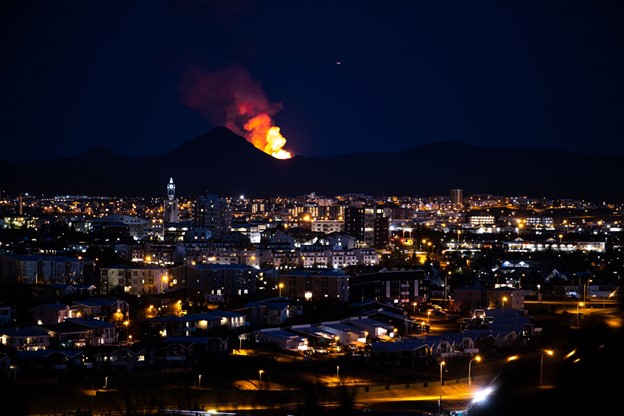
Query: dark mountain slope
[{"x": 222, "y": 162}]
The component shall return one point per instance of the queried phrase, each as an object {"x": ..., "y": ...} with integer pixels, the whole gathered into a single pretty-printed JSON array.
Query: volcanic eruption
[{"x": 231, "y": 97}]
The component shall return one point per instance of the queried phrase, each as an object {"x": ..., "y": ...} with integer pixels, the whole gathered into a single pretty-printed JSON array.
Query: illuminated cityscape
[
  {"x": 324, "y": 208},
  {"x": 347, "y": 295}
]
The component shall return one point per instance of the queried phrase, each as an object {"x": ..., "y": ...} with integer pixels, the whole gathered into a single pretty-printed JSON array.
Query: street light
[
  {"x": 546, "y": 352},
  {"x": 260, "y": 378},
  {"x": 477, "y": 359},
  {"x": 199, "y": 381},
  {"x": 415, "y": 304},
  {"x": 337, "y": 374},
  {"x": 428, "y": 314},
  {"x": 605, "y": 298},
  {"x": 281, "y": 286},
  {"x": 581, "y": 304},
  {"x": 126, "y": 324},
  {"x": 504, "y": 300},
  {"x": 441, "y": 383}
]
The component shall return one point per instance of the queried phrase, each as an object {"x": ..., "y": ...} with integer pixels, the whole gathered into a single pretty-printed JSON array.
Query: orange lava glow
[{"x": 265, "y": 136}]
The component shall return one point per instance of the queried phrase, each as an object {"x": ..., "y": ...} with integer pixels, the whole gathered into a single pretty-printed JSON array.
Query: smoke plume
[{"x": 230, "y": 97}]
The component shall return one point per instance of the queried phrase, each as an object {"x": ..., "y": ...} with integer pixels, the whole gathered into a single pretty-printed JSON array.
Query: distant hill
[{"x": 222, "y": 162}]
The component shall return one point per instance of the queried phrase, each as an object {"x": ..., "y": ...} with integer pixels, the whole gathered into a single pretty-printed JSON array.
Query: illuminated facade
[
  {"x": 457, "y": 197},
  {"x": 171, "y": 207},
  {"x": 315, "y": 284},
  {"x": 369, "y": 225},
  {"x": 212, "y": 213}
]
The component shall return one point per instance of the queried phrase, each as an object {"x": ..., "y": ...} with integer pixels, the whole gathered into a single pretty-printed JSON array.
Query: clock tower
[{"x": 171, "y": 204}]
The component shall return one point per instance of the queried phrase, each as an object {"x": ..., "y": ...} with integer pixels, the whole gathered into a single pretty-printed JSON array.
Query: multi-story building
[
  {"x": 38, "y": 269},
  {"x": 368, "y": 225},
  {"x": 221, "y": 279},
  {"x": 393, "y": 287},
  {"x": 327, "y": 226},
  {"x": 138, "y": 280},
  {"x": 540, "y": 223},
  {"x": 212, "y": 213},
  {"x": 315, "y": 284},
  {"x": 457, "y": 198}
]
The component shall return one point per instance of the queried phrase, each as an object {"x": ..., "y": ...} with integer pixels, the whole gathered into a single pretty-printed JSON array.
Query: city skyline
[{"x": 145, "y": 77}]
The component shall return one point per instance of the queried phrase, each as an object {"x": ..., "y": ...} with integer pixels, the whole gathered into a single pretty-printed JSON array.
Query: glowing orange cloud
[
  {"x": 266, "y": 137},
  {"x": 232, "y": 98}
]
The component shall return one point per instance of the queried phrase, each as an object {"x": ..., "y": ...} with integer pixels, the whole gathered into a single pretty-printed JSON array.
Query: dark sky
[{"x": 142, "y": 77}]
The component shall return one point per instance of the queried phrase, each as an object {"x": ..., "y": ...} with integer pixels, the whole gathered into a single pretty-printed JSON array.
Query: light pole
[
  {"x": 281, "y": 286},
  {"x": 260, "y": 378},
  {"x": 546, "y": 352},
  {"x": 605, "y": 298},
  {"x": 415, "y": 304},
  {"x": 428, "y": 314},
  {"x": 581, "y": 304},
  {"x": 337, "y": 374},
  {"x": 446, "y": 289},
  {"x": 441, "y": 383},
  {"x": 106, "y": 382},
  {"x": 199, "y": 381},
  {"x": 504, "y": 300},
  {"x": 477, "y": 359}
]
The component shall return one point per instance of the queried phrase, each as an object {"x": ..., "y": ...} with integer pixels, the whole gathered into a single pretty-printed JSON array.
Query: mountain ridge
[{"x": 222, "y": 162}]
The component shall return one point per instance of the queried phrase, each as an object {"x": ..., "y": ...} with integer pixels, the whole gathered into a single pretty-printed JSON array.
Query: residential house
[{"x": 25, "y": 339}]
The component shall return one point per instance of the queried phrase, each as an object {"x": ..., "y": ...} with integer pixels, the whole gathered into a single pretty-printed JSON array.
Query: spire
[{"x": 171, "y": 189}]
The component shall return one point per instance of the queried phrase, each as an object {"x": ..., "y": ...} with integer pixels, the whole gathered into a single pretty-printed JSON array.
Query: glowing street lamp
[
  {"x": 581, "y": 304},
  {"x": 337, "y": 374},
  {"x": 428, "y": 314},
  {"x": 260, "y": 378},
  {"x": 477, "y": 359},
  {"x": 504, "y": 300},
  {"x": 546, "y": 352},
  {"x": 126, "y": 324},
  {"x": 605, "y": 298},
  {"x": 441, "y": 383},
  {"x": 281, "y": 286}
]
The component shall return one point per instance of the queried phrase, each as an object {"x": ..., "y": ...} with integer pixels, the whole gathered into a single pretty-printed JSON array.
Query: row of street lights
[{"x": 511, "y": 358}]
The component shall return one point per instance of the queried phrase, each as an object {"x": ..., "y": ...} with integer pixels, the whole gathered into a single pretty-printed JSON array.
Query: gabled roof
[
  {"x": 21, "y": 332},
  {"x": 389, "y": 314},
  {"x": 403, "y": 345},
  {"x": 53, "y": 306},
  {"x": 90, "y": 323},
  {"x": 243, "y": 267},
  {"x": 48, "y": 352},
  {"x": 97, "y": 302},
  {"x": 190, "y": 340}
]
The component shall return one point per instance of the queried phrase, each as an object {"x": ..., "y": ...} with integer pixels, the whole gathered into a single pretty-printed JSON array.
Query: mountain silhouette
[{"x": 224, "y": 163}]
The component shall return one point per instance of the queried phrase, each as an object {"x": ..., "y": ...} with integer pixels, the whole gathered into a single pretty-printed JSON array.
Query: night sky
[{"x": 337, "y": 77}]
